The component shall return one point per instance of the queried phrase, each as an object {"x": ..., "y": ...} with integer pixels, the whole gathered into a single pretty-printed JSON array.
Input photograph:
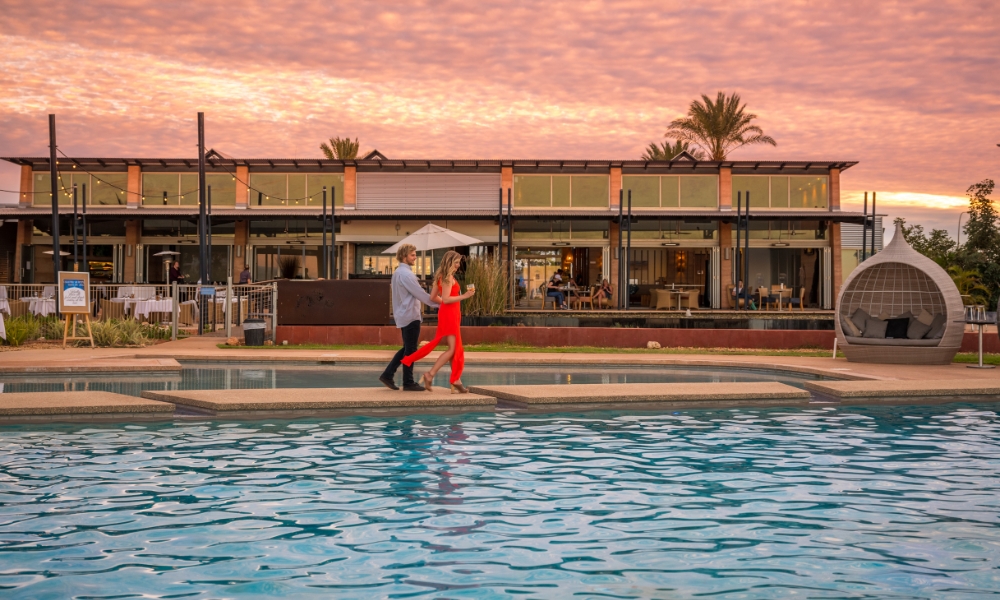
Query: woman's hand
[{"x": 468, "y": 294}]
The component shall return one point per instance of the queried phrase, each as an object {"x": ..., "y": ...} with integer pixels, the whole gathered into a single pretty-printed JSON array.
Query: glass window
[
  {"x": 560, "y": 190},
  {"x": 169, "y": 227},
  {"x": 160, "y": 189},
  {"x": 296, "y": 190},
  {"x": 43, "y": 185},
  {"x": 808, "y": 192},
  {"x": 223, "y": 188},
  {"x": 109, "y": 189},
  {"x": 287, "y": 228},
  {"x": 591, "y": 230},
  {"x": 779, "y": 191},
  {"x": 532, "y": 191},
  {"x": 645, "y": 190},
  {"x": 268, "y": 190},
  {"x": 699, "y": 191},
  {"x": 590, "y": 191},
  {"x": 756, "y": 186},
  {"x": 189, "y": 189},
  {"x": 334, "y": 188},
  {"x": 670, "y": 191}
]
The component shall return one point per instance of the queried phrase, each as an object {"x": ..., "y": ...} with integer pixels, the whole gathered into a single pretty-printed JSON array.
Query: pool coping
[
  {"x": 905, "y": 391},
  {"x": 26, "y": 407}
]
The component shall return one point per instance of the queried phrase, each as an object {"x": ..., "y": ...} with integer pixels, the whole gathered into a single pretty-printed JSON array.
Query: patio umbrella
[
  {"x": 432, "y": 237},
  {"x": 61, "y": 253}
]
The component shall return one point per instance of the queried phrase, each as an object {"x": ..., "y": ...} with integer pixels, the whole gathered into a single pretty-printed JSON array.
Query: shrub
[
  {"x": 21, "y": 329},
  {"x": 51, "y": 328},
  {"x": 490, "y": 278},
  {"x": 105, "y": 334}
]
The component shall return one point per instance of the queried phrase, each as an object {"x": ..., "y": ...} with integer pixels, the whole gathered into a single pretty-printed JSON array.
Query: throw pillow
[
  {"x": 906, "y": 315},
  {"x": 849, "y": 328},
  {"x": 896, "y": 328},
  {"x": 875, "y": 329},
  {"x": 937, "y": 327},
  {"x": 859, "y": 318},
  {"x": 917, "y": 330},
  {"x": 925, "y": 317},
  {"x": 884, "y": 315}
]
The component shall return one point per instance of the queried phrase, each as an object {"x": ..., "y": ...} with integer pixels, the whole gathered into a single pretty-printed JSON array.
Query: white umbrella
[{"x": 432, "y": 237}]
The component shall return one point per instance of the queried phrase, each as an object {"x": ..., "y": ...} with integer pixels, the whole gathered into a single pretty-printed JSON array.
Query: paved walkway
[{"x": 204, "y": 348}]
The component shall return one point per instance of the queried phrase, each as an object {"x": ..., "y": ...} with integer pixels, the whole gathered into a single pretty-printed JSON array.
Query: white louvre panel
[
  {"x": 428, "y": 191},
  {"x": 850, "y": 235}
]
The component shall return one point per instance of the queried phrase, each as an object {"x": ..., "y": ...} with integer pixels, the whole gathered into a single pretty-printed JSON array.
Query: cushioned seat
[{"x": 891, "y": 342}]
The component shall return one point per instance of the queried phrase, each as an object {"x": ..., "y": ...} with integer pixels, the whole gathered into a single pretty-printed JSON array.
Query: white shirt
[{"x": 407, "y": 294}]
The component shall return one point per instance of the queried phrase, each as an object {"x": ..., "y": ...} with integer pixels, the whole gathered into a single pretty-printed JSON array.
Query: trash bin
[{"x": 253, "y": 332}]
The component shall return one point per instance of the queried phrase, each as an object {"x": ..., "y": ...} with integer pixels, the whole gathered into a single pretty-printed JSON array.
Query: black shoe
[
  {"x": 388, "y": 383},
  {"x": 413, "y": 387}
]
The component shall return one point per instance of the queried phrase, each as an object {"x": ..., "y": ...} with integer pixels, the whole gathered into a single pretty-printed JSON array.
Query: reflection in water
[
  {"x": 826, "y": 502},
  {"x": 254, "y": 376}
]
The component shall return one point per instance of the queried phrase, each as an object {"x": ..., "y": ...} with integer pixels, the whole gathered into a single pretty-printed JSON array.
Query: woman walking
[{"x": 446, "y": 292}]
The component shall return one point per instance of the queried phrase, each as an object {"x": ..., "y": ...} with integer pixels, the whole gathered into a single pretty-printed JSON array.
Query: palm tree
[
  {"x": 719, "y": 127},
  {"x": 967, "y": 282},
  {"x": 342, "y": 149},
  {"x": 666, "y": 151}
]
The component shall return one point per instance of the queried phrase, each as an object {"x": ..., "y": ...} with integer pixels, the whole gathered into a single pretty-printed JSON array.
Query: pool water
[
  {"x": 832, "y": 502},
  {"x": 215, "y": 376}
]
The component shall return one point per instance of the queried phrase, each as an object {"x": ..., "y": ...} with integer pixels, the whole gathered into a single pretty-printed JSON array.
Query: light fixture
[
  {"x": 560, "y": 243},
  {"x": 670, "y": 244},
  {"x": 780, "y": 244}
]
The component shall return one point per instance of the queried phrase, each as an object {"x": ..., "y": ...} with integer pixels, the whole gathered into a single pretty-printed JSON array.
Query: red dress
[{"x": 449, "y": 323}]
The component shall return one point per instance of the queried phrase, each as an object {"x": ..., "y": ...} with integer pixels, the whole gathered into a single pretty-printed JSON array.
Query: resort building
[{"x": 266, "y": 213}]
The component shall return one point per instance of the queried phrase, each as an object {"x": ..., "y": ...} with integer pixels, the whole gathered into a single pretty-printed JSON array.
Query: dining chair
[
  {"x": 112, "y": 310},
  {"x": 664, "y": 300},
  {"x": 764, "y": 299},
  {"x": 690, "y": 299},
  {"x": 800, "y": 301}
]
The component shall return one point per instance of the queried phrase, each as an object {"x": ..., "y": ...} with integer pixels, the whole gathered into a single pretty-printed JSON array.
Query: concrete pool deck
[
  {"x": 307, "y": 402},
  {"x": 841, "y": 381},
  {"x": 907, "y": 391},
  {"x": 79, "y": 407},
  {"x": 639, "y": 396}
]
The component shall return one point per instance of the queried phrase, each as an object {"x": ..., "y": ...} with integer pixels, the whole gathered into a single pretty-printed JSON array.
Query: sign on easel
[{"x": 74, "y": 300}]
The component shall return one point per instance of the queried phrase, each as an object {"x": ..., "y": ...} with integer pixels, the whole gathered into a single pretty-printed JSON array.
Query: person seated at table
[
  {"x": 552, "y": 289},
  {"x": 175, "y": 273},
  {"x": 578, "y": 280},
  {"x": 738, "y": 290},
  {"x": 603, "y": 293},
  {"x": 245, "y": 275}
]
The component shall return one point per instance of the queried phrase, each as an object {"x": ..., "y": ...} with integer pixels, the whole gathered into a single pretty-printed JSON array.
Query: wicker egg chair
[{"x": 899, "y": 281}]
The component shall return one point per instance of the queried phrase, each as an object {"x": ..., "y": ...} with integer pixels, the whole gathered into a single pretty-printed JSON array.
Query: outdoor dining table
[
  {"x": 143, "y": 308},
  {"x": 42, "y": 307}
]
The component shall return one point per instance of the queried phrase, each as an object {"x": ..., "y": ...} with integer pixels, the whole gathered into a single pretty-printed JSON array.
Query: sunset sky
[{"x": 908, "y": 89}]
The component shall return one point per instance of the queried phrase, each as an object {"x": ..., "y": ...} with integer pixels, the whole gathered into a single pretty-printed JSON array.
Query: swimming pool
[
  {"x": 826, "y": 502},
  {"x": 218, "y": 376}
]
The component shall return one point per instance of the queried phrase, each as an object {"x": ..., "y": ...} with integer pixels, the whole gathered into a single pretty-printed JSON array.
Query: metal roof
[
  {"x": 566, "y": 214},
  {"x": 216, "y": 163}
]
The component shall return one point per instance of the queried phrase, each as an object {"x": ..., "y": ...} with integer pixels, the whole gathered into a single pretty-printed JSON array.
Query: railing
[{"x": 180, "y": 307}]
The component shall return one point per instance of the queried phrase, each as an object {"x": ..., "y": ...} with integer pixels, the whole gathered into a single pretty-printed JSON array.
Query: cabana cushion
[
  {"x": 917, "y": 330},
  {"x": 863, "y": 341},
  {"x": 875, "y": 328},
  {"x": 851, "y": 330},
  {"x": 860, "y": 319},
  {"x": 937, "y": 327},
  {"x": 896, "y": 327}
]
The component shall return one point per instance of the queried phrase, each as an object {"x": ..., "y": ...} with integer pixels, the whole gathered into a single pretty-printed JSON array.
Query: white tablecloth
[
  {"x": 3, "y": 332},
  {"x": 144, "y": 307},
  {"x": 42, "y": 307},
  {"x": 4, "y": 306}
]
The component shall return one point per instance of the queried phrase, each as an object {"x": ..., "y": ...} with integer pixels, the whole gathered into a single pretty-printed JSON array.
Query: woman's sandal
[
  {"x": 458, "y": 388},
  {"x": 427, "y": 381}
]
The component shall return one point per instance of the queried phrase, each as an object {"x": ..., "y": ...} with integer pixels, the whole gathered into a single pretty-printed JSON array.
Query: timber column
[
  {"x": 133, "y": 227},
  {"x": 507, "y": 184},
  {"x": 24, "y": 232},
  {"x": 24, "y": 228},
  {"x": 726, "y": 263},
  {"x": 834, "y": 189},
  {"x": 614, "y": 233},
  {"x": 27, "y": 197}
]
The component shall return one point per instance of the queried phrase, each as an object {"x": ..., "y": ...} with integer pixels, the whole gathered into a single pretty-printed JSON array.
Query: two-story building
[{"x": 266, "y": 214}]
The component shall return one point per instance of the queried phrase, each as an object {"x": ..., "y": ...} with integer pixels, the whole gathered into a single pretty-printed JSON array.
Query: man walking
[{"x": 406, "y": 298}]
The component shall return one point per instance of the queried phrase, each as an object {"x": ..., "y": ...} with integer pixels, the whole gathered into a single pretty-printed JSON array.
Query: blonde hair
[
  {"x": 449, "y": 259},
  {"x": 404, "y": 251}
]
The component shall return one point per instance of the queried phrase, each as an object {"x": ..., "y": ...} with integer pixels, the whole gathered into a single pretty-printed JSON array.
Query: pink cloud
[{"x": 906, "y": 88}]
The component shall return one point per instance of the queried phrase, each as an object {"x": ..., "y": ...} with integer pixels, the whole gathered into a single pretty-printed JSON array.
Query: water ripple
[{"x": 841, "y": 502}]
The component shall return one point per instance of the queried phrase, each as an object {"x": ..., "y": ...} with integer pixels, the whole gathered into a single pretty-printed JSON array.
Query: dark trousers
[{"x": 411, "y": 336}]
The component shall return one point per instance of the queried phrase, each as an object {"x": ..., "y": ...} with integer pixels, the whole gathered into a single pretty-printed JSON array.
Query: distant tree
[
  {"x": 719, "y": 127},
  {"x": 342, "y": 149},
  {"x": 982, "y": 230},
  {"x": 981, "y": 251},
  {"x": 967, "y": 282},
  {"x": 938, "y": 247},
  {"x": 666, "y": 150}
]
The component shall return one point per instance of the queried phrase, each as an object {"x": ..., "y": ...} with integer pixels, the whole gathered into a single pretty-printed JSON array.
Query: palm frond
[
  {"x": 341, "y": 148},
  {"x": 719, "y": 126}
]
